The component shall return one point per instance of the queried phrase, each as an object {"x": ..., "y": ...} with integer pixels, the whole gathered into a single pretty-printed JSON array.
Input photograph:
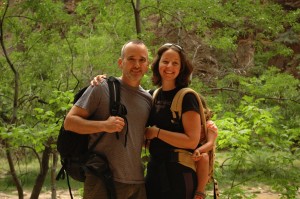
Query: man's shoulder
[
  {"x": 94, "y": 92},
  {"x": 146, "y": 93},
  {"x": 102, "y": 85}
]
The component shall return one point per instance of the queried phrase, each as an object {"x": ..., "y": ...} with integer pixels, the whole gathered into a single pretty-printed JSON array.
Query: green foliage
[
  {"x": 260, "y": 166},
  {"x": 261, "y": 133},
  {"x": 265, "y": 116},
  {"x": 48, "y": 125}
]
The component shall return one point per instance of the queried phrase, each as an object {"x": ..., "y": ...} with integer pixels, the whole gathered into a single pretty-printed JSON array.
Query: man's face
[{"x": 134, "y": 63}]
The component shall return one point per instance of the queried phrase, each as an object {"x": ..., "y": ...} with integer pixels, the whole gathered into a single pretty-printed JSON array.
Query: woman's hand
[
  {"x": 196, "y": 155},
  {"x": 151, "y": 132},
  {"x": 98, "y": 79},
  {"x": 211, "y": 126}
]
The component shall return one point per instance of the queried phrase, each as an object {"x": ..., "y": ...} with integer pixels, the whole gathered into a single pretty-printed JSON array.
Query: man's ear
[{"x": 120, "y": 61}]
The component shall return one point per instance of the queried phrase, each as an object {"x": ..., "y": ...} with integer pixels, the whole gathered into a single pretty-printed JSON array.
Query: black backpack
[{"x": 73, "y": 147}]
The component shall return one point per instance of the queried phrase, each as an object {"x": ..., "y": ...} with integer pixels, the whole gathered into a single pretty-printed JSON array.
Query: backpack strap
[
  {"x": 91, "y": 148},
  {"x": 216, "y": 189},
  {"x": 114, "y": 98},
  {"x": 114, "y": 95},
  {"x": 155, "y": 93},
  {"x": 116, "y": 108},
  {"x": 176, "y": 106}
]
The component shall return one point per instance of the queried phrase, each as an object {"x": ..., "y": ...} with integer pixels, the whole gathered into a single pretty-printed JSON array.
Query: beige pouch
[{"x": 185, "y": 158}]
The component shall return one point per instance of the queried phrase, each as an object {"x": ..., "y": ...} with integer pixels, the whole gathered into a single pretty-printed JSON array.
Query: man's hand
[{"x": 114, "y": 124}]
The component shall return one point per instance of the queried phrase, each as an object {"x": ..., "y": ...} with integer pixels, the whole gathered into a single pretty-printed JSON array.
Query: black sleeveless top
[{"x": 161, "y": 116}]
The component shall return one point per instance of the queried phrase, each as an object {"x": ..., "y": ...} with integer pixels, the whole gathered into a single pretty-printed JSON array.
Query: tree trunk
[
  {"x": 44, "y": 167},
  {"x": 53, "y": 175},
  {"x": 244, "y": 56},
  {"x": 15, "y": 103},
  {"x": 13, "y": 172},
  {"x": 137, "y": 17}
]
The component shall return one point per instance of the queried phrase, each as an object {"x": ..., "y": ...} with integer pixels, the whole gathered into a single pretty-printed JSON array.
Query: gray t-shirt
[{"x": 125, "y": 162}]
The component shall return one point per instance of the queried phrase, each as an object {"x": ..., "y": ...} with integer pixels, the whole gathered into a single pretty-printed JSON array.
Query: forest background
[{"x": 246, "y": 63}]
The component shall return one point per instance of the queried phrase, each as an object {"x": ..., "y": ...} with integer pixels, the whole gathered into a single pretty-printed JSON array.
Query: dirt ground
[
  {"x": 262, "y": 193},
  {"x": 60, "y": 194},
  {"x": 65, "y": 195}
]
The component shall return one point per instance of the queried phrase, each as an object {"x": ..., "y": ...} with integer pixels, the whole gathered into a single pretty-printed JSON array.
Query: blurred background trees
[{"x": 246, "y": 57}]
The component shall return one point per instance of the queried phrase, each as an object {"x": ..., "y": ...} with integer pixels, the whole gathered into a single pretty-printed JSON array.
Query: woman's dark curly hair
[
  {"x": 186, "y": 69},
  {"x": 207, "y": 111}
]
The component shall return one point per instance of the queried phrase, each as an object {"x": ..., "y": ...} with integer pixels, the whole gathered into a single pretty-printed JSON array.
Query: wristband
[{"x": 158, "y": 133}]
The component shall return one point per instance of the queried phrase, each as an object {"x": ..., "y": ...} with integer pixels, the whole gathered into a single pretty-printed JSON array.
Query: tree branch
[
  {"x": 19, "y": 16},
  {"x": 16, "y": 74},
  {"x": 34, "y": 151},
  {"x": 257, "y": 96}
]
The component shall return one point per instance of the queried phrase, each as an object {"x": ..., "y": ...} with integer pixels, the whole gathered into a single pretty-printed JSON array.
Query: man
[{"x": 124, "y": 161}]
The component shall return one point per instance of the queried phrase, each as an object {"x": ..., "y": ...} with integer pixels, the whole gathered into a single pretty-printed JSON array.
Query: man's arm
[{"x": 76, "y": 121}]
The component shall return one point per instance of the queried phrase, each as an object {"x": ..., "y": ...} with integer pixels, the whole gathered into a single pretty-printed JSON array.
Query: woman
[{"x": 166, "y": 177}]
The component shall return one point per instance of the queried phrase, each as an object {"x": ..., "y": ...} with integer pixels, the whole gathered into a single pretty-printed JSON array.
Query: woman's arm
[
  {"x": 212, "y": 134},
  {"x": 188, "y": 140},
  {"x": 98, "y": 79}
]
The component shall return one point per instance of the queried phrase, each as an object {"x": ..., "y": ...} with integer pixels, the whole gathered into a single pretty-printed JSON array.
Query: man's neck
[{"x": 130, "y": 82}]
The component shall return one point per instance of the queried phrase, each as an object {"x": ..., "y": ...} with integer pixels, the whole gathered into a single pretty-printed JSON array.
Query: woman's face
[{"x": 169, "y": 65}]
